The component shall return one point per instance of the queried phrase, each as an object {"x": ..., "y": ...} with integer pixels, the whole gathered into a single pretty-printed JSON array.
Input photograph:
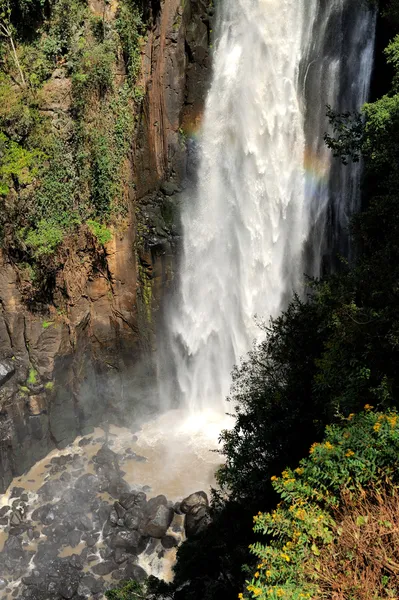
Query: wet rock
[
  {"x": 74, "y": 538},
  {"x": 3, "y": 583},
  {"x": 169, "y": 542},
  {"x": 15, "y": 518},
  {"x": 89, "y": 585},
  {"x": 197, "y": 520},
  {"x": 177, "y": 508},
  {"x": 133, "y": 500},
  {"x": 50, "y": 490},
  {"x": 198, "y": 498},
  {"x": 154, "y": 503},
  {"x": 4, "y": 510},
  {"x": 120, "y": 556},
  {"x": 90, "y": 539},
  {"x": 113, "y": 518},
  {"x": 45, "y": 514},
  {"x": 85, "y": 442},
  {"x": 13, "y": 548},
  {"x": 135, "y": 572},
  {"x": 16, "y": 492},
  {"x": 20, "y": 530},
  {"x": 65, "y": 477},
  {"x": 88, "y": 484},
  {"x": 116, "y": 489},
  {"x": 120, "y": 510},
  {"x": 83, "y": 523},
  {"x": 158, "y": 524},
  {"x": 106, "y": 456},
  {"x": 128, "y": 540},
  {"x": 104, "y": 568},
  {"x": 134, "y": 519},
  {"x": 104, "y": 512},
  {"x": 91, "y": 558}
]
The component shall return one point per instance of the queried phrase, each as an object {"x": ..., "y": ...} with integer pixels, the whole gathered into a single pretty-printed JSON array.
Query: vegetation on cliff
[{"x": 68, "y": 90}]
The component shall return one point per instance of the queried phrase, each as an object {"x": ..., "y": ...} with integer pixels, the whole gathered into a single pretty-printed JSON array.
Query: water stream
[{"x": 270, "y": 202}]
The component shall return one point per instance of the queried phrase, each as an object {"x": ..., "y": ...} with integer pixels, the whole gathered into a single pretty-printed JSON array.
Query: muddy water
[{"x": 170, "y": 455}]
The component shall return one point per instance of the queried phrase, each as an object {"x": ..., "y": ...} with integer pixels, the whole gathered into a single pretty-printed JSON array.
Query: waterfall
[{"x": 267, "y": 188}]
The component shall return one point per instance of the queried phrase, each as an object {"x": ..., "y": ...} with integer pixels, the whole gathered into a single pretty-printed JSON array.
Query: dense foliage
[
  {"x": 66, "y": 124},
  {"x": 359, "y": 454}
]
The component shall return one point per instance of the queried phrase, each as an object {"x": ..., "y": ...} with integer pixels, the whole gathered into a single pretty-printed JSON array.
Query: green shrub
[
  {"x": 129, "y": 25},
  {"x": 100, "y": 232},
  {"x": 32, "y": 377},
  {"x": 129, "y": 591},
  {"x": 17, "y": 164},
  {"x": 361, "y": 453},
  {"x": 44, "y": 239}
]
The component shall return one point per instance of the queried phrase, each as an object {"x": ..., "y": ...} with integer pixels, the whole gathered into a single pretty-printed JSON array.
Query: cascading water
[{"x": 257, "y": 219}]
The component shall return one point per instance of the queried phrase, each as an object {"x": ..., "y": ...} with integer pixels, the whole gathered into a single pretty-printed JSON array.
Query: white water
[{"x": 258, "y": 217}]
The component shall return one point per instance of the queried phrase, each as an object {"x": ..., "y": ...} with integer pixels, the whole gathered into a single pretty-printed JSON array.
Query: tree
[{"x": 7, "y": 31}]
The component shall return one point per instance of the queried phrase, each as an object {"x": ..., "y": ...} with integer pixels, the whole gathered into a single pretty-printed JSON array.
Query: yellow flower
[
  {"x": 285, "y": 474},
  {"x": 280, "y": 592},
  {"x": 377, "y": 427},
  {"x": 392, "y": 420},
  {"x": 274, "y": 478},
  {"x": 288, "y": 481},
  {"x": 328, "y": 446},
  {"x": 313, "y": 448},
  {"x": 300, "y": 514},
  {"x": 256, "y": 574},
  {"x": 268, "y": 573},
  {"x": 368, "y": 407},
  {"x": 299, "y": 470},
  {"x": 240, "y": 595},
  {"x": 351, "y": 416},
  {"x": 350, "y": 453}
]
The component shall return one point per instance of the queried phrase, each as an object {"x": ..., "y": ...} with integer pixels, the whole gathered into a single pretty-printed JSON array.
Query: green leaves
[{"x": 361, "y": 452}]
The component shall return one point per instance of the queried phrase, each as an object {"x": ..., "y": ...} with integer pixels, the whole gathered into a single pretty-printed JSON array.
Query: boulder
[
  {"x": 134, "y": 572},
  {"x": 134, "y": 519},
  {"x": 198, "y": 498},
  {"x": 90, "y": 585},
  {"x": 133, "y": 500},
  {"x": 197, "y": 520},
  {"x": 169, "y": 541},
  {"x": 104, "y": 568},
  {"x": 128, "y": 540},
  {"x": 158, "y": 524}
]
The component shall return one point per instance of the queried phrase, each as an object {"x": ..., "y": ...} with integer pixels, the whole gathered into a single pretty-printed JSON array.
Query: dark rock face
[{"x": 196, "y": 509}]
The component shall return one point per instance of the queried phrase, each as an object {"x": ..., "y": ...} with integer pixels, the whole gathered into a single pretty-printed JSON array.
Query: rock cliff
[{"x": 68, "y": 365}]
